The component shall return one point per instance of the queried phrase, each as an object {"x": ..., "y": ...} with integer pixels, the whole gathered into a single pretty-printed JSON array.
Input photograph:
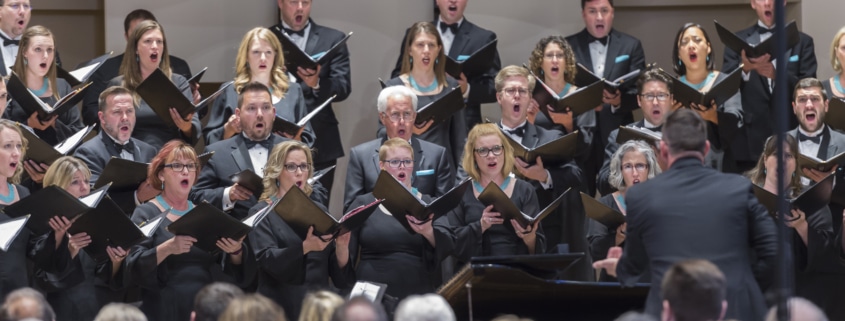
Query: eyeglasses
[
  {"x": 554, "y": 55},
  {"x": 396, "y": 117},
  {"x": 687, "y": 40},
  {"x": 512, "y": 91},
  {"x": 18, "y": 6},
  {"x": 640, "y": 167},
  {"x": 659, "y": 96},
  {"x": 178, "y": 167},
  {"x": 802, "y": 100},
  {"x": 293, "y": 167},
  {"x": 484, "y": 151},
  {"x": 396, "y": 163}
]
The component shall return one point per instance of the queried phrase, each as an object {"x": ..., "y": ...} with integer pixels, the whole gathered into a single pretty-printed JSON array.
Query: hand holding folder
[
  {"x": 162, "y": 95},
  {"x": 399, "y": 201},
  {"x": 493, "y": 195},
  {"x": 301, "y": 214}
]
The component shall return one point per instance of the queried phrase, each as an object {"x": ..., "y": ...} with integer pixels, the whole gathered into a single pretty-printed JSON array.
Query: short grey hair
[
  {"x": 427, "y": 307},
  {"x": 394, "y": 91},
  {"x": 800, "y": 307},
  {"x": 615, "y": 178}
]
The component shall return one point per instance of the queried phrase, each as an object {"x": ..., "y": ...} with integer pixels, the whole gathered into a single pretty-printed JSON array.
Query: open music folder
[
  {"x": 586, "y": 77},
  {"x": 53, "y": 201},
  {"x": 107, "y": 225},
  {"x": 31, "y": 103},
  {"x": 552, "y": 153},
  {"x": 162, "y": 94},
  {"x": 300, "y": 213},
  {"x": 493, "y": 195},
  {"x": 83, "y": 71},
  {"x": 810, "y": 201},
  {"x": 584, "y": 99},
  {"x": 295, "y": 57},
  {"x": 720, "y": 91},
  {"x": 207, "y": 224},
  {"x": 399, "y": 201},
  {"x": 475, "y": 63},
  {"x": 285, "y": 126},
  {"x": 601, "y": 213},
  {"x": 737, "y": 44},
  {"x": 41, "y": 152}
]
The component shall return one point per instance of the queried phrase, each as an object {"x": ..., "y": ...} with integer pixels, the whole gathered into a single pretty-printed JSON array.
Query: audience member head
[
  {"x": 71, "y": 174},
  {"x": 146, "y": 50},
  {"x": 134, "y": 18},
  {"x": 295, "y": 13},
  {"x": 212, "y": 299},
  {"x": 427, "y": 307},
  {"x": 27, "y": 303},
  {"x": 120, "y": 312},
  {"x": 397, "y": 107},
  {"x": 424, "y": 51},
  {"x": 36, "y": 58},
  {"x": 451, "y": 11},
  {"x": 260, "y": 58},
  {"x": 12, "y": 150},
  {"x": 810, "y": 104},
  {"x": 360, "y": 309},
  {"x": 553, "y": 58},
  {"x": 514, "y": 85},
  {"x": 396, "y": 156},
  {"x": 800, "y": 309},
  {"x": 692, "y": 50},
  {"x": 256, "y": 111},
  {"x": 654, "y": 90},
  {"x": 319, "y": 306},
  {"x": 117, "y": 113},
  {"x": 14, "y": 17},
  {"x": 289, "y": 165},
  {"x": 684, "y": 134},
  {"x": 633, "y": 163},
  {"x": 837, "y": 51},
  {"x": 487, "y": 153},
  {"x": 253, "y": 307},
  {"x": 635, "y": 316},
  {"x": 693, "y": 290},
  {"x": 163, "y": 174},
  {"x": 766, "y": 168},
  {"x": 598, "y": 17}
]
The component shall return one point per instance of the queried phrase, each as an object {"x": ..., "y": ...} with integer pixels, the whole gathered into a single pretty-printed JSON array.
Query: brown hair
[
  {"x": 253, "y": 307},
  {"x": 61, "y": 171},
  {"x": 276, "y": 164},
  {"x": 130, "y": 68},
  {"x": 20, "y": 63},
  {"x": 439, "y": 62},
  {"x": 535, "y": 62},
  {"x": 695, "y": 290},
  {"x": 513, "y": 71},
  {"x": 835, "y": 63},
  {"x": 468, "y": 160},
  {"x": 113, "y": 91},
  {"x": 174, "y": 149},
  {"x": 807, "y": 83},
  {"x": 279, "y": 82},
  {"x": 757, "y": 175},
  {"x": 685, "y": 131}
]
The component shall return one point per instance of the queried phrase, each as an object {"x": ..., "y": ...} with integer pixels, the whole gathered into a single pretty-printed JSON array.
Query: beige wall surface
[{"x": 207, "y": 32}]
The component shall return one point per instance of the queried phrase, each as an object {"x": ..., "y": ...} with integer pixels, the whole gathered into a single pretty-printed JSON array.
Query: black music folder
[
  {"x": 737, "y": 44},
  {"x": 601, "y": 213},
  {"x": 300, "y": 212},
  {"x": 476, "y": 63},
  {"x": 399, "y": 201},
  {"x": 584, "y": 99},
  {"x": 441, "y": 109},
  {"x": 636, "y": 133},
  {"x": 249, "y": 180},
  {"x": 810, "y": 201},
  {"x": 33, "y": 104},
  {"x": 818, "y": 164},
  {"x": 835, "y": 116},
  {"x": 53, "y": 201},
  {"x": 553, "y": 152},
  {"x": 107, "y": 225},
  {"x": 295, "y": 57},
  {"x": 162, "y": 94},
  {"x": 195, "y": 79},
  {"x": 320, "y": 173},
  {"x": 41, "y": 152},
  {"x": 208, "y": 224},
  {"x": 720, "y": 91},
  {"x": 586, "y": 77},
  {"x": 123, "y": 174},
  {"x": 493, "y": 195},
  {"x": 83, "y": 70},
  {"x": 381, "y": 83},
  {"x": 9, "y": 230},
  {"x": 285, "y": 126},
  {"x": 204, "y": 157}
]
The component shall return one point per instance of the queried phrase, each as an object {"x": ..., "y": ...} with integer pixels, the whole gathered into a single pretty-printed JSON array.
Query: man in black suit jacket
[
  {"x": 13, "y": 22},
  {"x": 117, "y": 120},
  {"x": 609, "y": 54},
  {"x": 111, "y": 68},
  {"x": 330, "y": 78},
  {"x": 432, "y": 176},
  {"x": 567, "y": 223},
  {"x": 692, "y": 211},
  {"x": 758, "y": 75},
  {"x": 814, "y": 137},
  {"x": 247, "y": 151},
  {"x": 462, "y": 38}
]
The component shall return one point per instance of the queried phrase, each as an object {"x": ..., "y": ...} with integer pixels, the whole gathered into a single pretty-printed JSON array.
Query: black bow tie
[
  {"x": 453, "y": 27},
  {"x": 815, "y": 139},
  {"x": 267, "y": 143},
  {"x": 128, "y": 147},
  {"x": 290, "y": 32},
  {"x": 603, "y": 40},
  {"x": 519, "y": 131},
  {"x": 761, "y": 30},
  {"x": 7, "y": 41}
]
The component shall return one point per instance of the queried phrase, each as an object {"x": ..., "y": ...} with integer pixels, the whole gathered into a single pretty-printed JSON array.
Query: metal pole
[{"x": 783, "y": 272}]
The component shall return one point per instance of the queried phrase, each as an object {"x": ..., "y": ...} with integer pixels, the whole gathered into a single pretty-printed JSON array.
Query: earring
[
  {"x": 411, "y": 61},
  {"x": 277, "y": 183},
  {"x": 25, "y": 62},
  {"x": 162, "y": 185},
  {"x": 680, "y": 63},
  {"x": 764, "y": 172},
  {"x": 137, "y": 59},
  {"x": 437, "y": 61},
  {"x": 708, "y": 59}
]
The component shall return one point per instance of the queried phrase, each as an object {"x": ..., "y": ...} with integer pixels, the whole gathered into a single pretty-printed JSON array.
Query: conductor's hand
[
  {"x": 609, "y": 264},
  {"x": 490, "y": 218}
]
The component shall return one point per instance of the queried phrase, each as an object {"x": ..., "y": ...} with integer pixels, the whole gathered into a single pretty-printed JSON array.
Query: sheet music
[
  {"x": 65, "y": 146},
  {"x": 365, "y": 289},
  {"x": 81, "y": 73},
  {"x": 256, "y": 218},
  {"x": 149, "y": 227},
  {"x": 90, "y": 200},
  {"x": 9, "y": 230}
]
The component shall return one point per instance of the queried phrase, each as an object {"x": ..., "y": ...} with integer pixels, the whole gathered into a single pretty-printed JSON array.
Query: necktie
[
  {"x": 290, "y": 32},
  {"x": 602, "y": 40},
  {"x": 7, "y": 41},
  {"x": 815, "y": 139},
  {"x": 519, "y": 131},
  {"x": 265, "y": 143},
  {"x": 453, "y": 27},
  {"x": 129, "y": 147}
]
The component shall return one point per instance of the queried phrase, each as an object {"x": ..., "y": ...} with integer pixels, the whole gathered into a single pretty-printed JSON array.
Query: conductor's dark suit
[
  {"x": 432, "y": 175},
  {"x": 97, "y": 152},
  {"x": 692, "y": 211}
]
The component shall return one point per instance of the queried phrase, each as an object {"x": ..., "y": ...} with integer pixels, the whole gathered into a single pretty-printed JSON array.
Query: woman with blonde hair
[
  {"x": 835, "y": 87},
  {"x": 253, "y": 307},
  {"x": 260, "y": 58},
  {"x": 118, "y": 312},
  {"x": 319, "y": 306}
]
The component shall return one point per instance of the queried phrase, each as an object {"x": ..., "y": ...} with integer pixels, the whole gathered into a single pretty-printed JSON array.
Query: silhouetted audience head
[
  {"x": 319, "y": 306},
  {"x": 693, "y": 290},
  {"x": 427, "y": 307},
  {"x": 120, "y": 312},
  {"x": 635, "y": 316},
  {"x": 212, "y": 299},
  {"x": 26, "y": 303},
  {"x": 800, "y": 309},
  {"x": 252, "y": 307},
  {"x": 510, "y": 317},
  {"x": 360, "y": 309}
]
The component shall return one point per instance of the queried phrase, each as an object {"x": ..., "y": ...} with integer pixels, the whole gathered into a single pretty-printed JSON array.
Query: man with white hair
[{"x": 426, "y": 307}]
